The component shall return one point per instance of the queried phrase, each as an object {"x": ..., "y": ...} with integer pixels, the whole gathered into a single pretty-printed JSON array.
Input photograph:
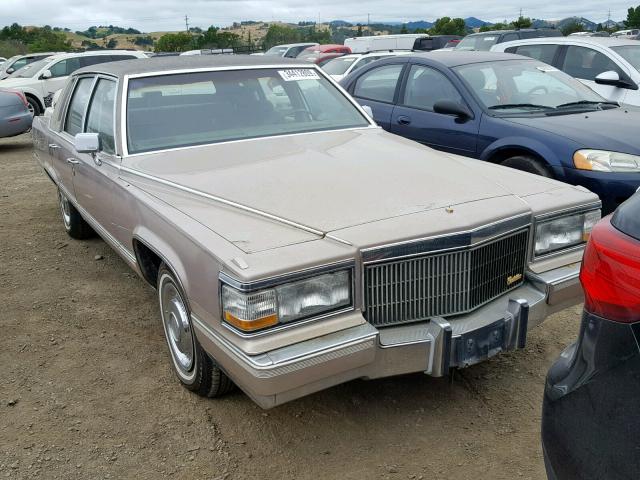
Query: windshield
[
  {"x": 171, "y": 111},
  {"x": 631, "y": 53},
  {"x": 30, "y": 70},
  {"x": 338, "y": 66},
  {"x": 277, "y": 51},
  {"x": 519, "y": 86},
  {"x": 477, "y": 42}
]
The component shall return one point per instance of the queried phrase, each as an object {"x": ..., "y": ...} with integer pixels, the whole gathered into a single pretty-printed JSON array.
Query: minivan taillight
[{"x": 610, "y": 274}]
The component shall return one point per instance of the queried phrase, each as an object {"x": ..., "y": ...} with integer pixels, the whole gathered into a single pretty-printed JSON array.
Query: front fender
[{"x": 531, "y": 145}]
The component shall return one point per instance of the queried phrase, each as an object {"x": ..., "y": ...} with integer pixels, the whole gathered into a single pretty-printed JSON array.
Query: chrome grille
[{"x": 441, "y": 284}]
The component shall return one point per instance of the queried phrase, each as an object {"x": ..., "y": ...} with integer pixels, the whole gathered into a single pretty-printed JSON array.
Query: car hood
[
  {"x": 615, "y": 129},
  {"x": 323, "y": 182},
  {"x": 16, "y": 82}
]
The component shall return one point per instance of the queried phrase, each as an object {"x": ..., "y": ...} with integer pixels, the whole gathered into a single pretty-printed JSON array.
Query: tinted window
[
  {"x": 379, "y": 84},
  {"x": 170, "y": 111},
  {"x": 544, "y": 53},
  {"x": 101, "y": 114},
  {"x": 65, "y": 67},
  {"x": 508, "y": 37},
  {"x": 77, "y": 106},
  {"x": 426, "y": 86},
  {"x": 587, "y": 64}
]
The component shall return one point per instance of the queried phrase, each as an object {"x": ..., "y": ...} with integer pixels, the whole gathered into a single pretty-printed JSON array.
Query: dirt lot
[{"x": 86, "y": 390}]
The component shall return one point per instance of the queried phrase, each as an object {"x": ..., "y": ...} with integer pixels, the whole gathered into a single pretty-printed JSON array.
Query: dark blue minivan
[{"x": 506, "y": 109}]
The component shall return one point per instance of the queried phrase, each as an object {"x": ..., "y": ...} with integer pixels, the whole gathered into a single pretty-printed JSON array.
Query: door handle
[
  {"x": 53, "y": 146},
  {"x": 404, "y": 120},
  {"x": 73, "y": 161}
]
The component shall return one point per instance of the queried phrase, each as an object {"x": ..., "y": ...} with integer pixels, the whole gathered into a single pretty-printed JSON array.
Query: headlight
[
  {"x": 310, "y": 297},
  {"x": 564, "y": 232},
  {"x": 603, "y": 161}
]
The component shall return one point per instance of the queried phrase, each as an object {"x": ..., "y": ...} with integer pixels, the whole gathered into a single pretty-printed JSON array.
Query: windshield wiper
[
  {"x": 519, "y": 105},
  {"x": 587, "y": 102}
]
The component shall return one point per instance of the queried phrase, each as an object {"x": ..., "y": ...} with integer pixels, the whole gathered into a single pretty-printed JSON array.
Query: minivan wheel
[
  {"x": 73, "y": 222},
  {"x": 194, "y": 368},
  {"x": 528, "y": 164}
]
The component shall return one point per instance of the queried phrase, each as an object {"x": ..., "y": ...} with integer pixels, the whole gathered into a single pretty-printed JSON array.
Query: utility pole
[
  {"x": 368, "y": 24},
  {"x": 520, "y": 16},
  {"x": 609, "y": 19},
  {"x": 186, "y": 22}
]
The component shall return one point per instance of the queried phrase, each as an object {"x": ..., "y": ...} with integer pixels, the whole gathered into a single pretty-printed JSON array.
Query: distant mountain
[
  {"x": 473, "y": 22},
  {"x": 419, "y": 24},
  {"x": 560, "y": 24},
  {"x": 340, "y": 24}
]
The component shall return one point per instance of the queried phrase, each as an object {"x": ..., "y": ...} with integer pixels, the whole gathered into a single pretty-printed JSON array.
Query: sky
[{"x": 161, "y": 15}]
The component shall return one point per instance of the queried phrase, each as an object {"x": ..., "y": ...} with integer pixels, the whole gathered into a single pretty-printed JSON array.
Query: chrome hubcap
[
  {"x": 177, "y": 327},
  {"x": 65, "y": 209}
]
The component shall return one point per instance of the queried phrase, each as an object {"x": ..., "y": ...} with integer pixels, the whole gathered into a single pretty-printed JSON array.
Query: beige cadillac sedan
[{"x": 293, "y": 244}]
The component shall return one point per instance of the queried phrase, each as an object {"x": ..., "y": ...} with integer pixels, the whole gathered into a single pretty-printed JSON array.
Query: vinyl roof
[{"x": 168, "y": 63}]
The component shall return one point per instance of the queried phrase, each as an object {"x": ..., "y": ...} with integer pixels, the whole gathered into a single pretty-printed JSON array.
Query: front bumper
[
  {"x": 363, "y": 351},
  {"x": 613, "y": 188}
]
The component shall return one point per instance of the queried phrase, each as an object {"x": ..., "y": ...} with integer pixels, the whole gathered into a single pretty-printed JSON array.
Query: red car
[{"x": 321, "y": 54}]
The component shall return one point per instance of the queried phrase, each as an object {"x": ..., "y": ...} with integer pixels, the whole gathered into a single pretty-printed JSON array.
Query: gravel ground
[{"x": 86, "y": 389}]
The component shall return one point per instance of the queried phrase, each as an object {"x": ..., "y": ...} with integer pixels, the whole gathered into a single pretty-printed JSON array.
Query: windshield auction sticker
[{"x": 299, "y": 74}]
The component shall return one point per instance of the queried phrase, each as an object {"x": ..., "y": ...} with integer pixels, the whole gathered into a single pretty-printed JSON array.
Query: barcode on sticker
[{"x": 298, "y": 74}]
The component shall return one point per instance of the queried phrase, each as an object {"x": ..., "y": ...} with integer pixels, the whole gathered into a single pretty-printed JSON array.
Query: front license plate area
[{"x": 478, "y": 345}]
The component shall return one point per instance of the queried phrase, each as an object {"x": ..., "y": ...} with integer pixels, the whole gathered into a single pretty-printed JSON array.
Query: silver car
[
  {"x": 15, "y": 116},
  {"x": 293, "y": 244}
]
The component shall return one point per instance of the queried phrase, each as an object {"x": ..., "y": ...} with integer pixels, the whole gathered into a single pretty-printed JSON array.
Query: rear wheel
[
  {"x": 529, "y": 164},
  {"x": 195, "y": 369},
  {"x": 73, "y": 222}
]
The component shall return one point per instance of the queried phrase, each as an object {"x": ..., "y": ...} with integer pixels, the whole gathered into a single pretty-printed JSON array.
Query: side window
[
  {"x": 77, "y": 106},
  {"x": 379, "y": 84},
  {"x": 20, "y": 63},
  {"x": 64, "y": 67},
  {"x": 426, "y": 86},
  {"x": 544, "y": 53},
  {"x": 508, "y": 37},
  {"x": 101, "y": 113},
  {"x": 94, "y": 60},
  {"x": 586, "y": 63}
]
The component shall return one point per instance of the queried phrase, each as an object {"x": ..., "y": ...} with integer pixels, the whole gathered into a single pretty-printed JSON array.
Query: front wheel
[
  {"x": 195, "y": 369},
  {"x": 529, "y": 164}
]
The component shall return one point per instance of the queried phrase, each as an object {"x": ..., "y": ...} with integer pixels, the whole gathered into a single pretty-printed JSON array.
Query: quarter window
[
  {"x": 65, "y": 67},
  {"x": 379, "y": 84},
  {"x": 426, "y": 86},
  {"x": 586, "y": 63},
  {"x": 101, "y": 114},
  {"x": 77, "y": 106}
]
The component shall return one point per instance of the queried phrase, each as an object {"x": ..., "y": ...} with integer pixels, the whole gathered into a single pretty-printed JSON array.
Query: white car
[
  {"x": 376, "y": 43},
  {"x": 609, "y": 66},
  {"x": 340, "y": 67},
  {"x": 41, "y": 79}
]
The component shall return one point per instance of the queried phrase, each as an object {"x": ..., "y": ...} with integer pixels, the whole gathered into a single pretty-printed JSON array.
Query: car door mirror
[
  {"x": 367, "y": 110},
  {"x": 10, "y": 70},
  {"x": 86, "y": 142},
  {"x": 449, "y": 107},
  {"x": 46, "y": 75},
  {"x": 613, "y": 79}
]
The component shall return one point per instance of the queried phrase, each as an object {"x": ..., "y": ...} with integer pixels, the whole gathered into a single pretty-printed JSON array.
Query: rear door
[
  {"x": 378, "y": 89},
  {"x": 414, "y": 118}
]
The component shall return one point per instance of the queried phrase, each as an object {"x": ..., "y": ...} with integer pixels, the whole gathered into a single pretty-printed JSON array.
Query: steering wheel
[{"x": 544, "y": 90}]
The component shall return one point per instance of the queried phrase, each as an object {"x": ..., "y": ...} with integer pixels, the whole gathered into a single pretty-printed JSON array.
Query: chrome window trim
[
  {"x": 445, "y": 242},
  {"x": 226, "y": 279},
  {"x": 552, "y": 216},
  {"x": 155, "y": 73}
]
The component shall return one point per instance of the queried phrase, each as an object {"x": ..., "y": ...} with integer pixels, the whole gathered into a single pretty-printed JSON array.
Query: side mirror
[
  {"x": 449, "y": 107},
  {"x": 367, "y": 110},
  {"x": 10, "y": 70},
  {"x": 613, "y": 79},
  {"x": 86, "y": 142},
  {"x": 46, "y": 75}
]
